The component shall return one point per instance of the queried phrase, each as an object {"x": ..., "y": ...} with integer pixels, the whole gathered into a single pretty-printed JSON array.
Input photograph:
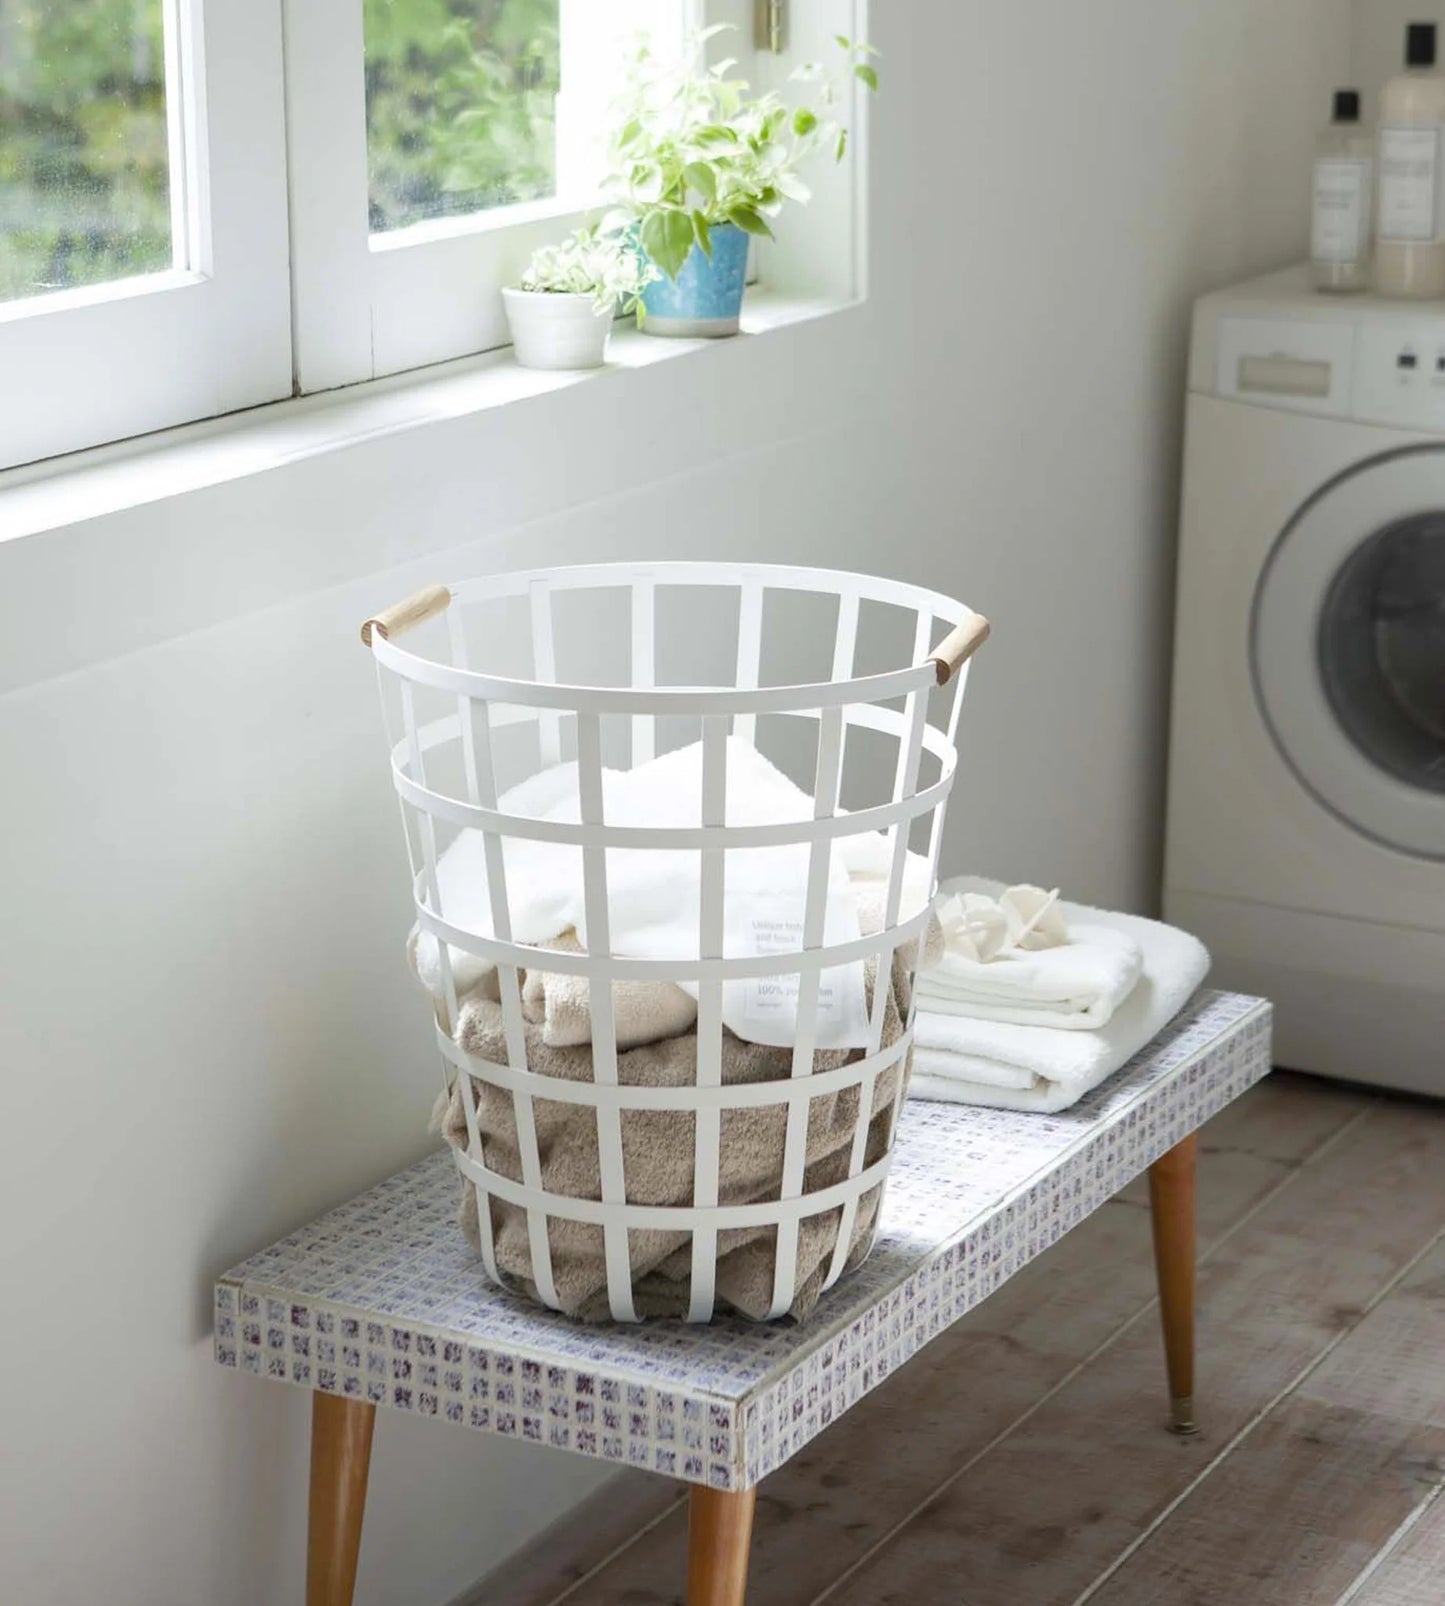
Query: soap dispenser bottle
[
  {"x": 1344, "y": 188},
  {"x": 1410, "y": 239}
]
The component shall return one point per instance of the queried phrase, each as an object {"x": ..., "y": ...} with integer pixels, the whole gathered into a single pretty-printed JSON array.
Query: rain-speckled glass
[
  {"x": 460, "y": 106},
  {"x": 84, "y": 153}
]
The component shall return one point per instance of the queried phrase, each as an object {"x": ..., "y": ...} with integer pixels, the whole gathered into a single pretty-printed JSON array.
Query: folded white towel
[
  {"x": 1075, "y": 986},
  {"x": 654, "y": 896},
  {"x": 965, "y": 1060},
  {"x": 931, "y": 1065}
]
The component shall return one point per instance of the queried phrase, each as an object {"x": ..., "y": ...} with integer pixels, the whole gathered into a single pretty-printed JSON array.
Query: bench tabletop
[{"x": 383, "y": 1300}]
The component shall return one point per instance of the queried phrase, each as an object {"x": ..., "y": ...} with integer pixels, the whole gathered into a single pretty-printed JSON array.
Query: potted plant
[
  {"x": 561, "y": 313},
  {"x": 697, "y": 165}
]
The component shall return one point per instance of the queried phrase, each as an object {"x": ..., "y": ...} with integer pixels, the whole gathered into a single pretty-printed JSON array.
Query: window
[
  {"x": 434, "y": 144},
  {"x": 461, "y": 108},
  {"x": 143, "y": 275},
  {"x": 193, "y": 222},
  {"x": 88, "y": 164}
]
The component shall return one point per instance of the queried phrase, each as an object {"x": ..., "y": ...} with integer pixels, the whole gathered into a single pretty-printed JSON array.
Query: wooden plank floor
[{"x": 1021, "y": 1459}]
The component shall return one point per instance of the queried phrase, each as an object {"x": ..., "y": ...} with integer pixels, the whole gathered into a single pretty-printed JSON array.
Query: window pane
[
  {"x": 460, "y": 106},
  {"x": 84, "y": 183}
]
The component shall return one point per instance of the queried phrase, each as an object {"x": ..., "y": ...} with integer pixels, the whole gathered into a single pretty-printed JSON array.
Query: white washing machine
[{"x": 1306, "y": 824}]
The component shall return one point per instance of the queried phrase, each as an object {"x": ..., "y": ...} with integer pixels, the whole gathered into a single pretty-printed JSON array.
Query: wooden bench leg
[
  {"x": 340, "y": 1461},
  {"x": 1171, "y": 1203},
  {"x": 719, "y": 1536}
]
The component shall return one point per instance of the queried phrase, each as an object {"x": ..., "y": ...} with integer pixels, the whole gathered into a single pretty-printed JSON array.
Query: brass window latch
[{"x": 770, "y": 31}]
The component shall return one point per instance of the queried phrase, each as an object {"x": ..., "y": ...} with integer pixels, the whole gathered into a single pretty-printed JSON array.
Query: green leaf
[
  {"x": 704, "y": 237},
  {"x": 842, "y": 149},
  {"x": 867, "y": 74},
  {"x": 750, "y": 221},
  {"x": 804, "y": 122},
  {"x": 701, "y": 177},
  {"x": 667, "y": 238},
  {"x": 844, "y": 40}
]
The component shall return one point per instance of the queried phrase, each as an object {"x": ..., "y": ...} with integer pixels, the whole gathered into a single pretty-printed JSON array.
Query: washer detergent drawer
[{"x": 1299, "y": 367}]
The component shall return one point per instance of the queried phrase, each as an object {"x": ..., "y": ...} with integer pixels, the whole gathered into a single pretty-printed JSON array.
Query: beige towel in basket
[
  {"x": 642, "y": 1011},
  {"x": 657, "y": 1150}
]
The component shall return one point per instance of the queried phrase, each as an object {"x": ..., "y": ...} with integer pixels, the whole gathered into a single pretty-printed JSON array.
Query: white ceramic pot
[{"x": 551, "y": 330}]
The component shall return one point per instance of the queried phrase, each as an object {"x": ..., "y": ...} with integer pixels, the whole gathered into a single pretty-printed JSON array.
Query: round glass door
[
  {"x": 1348, "y": 649},
  {"x": 1382, "y": 649}
]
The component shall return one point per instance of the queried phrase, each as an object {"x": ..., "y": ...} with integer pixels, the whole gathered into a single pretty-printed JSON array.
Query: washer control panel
[
  {"x": 1400, "y": 373},
  {"x": 1383, "y": 369}
]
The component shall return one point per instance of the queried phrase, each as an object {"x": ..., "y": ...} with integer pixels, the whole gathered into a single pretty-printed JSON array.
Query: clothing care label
[
  {"x": 1410, "y": 175},
  {"x": 1342, "y": 209},
  {"x": 775, "y": 998}
]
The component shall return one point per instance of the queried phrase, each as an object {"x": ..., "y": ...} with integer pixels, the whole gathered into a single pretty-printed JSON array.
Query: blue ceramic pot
[{"x": 706, "y": 298}]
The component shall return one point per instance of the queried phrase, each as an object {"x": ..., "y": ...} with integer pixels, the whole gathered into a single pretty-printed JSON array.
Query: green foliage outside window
[
  {"x": 459, "y": 96},
  {"x": 460, "y": 106},
  {"x": 84, "y": 194}
]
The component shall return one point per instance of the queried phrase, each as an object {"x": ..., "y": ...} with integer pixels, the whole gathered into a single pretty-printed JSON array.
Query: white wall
[{"x": 207, "y": 1034}]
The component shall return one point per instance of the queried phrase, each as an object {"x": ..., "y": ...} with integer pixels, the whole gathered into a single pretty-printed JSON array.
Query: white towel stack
[{"x": 1036, "y": 1029}]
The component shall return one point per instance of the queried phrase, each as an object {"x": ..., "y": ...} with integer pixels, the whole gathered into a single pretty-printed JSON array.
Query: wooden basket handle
[
  {"x": 402, "y": 616},
  {"x": 959, "y": 645}
]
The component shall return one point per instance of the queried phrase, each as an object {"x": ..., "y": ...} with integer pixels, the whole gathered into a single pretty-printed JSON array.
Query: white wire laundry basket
[{"x": 479, "y": 695}]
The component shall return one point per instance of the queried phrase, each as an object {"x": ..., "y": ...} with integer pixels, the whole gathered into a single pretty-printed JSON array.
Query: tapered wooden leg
[
  {"x": 719, "y": 1535},
  {"x": 1171, "y": 1203},
  {"x": 340, "y": 1460}
]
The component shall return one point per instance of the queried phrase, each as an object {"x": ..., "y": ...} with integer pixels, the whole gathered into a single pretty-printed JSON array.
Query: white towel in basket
[{"x": 654, "y": 896}]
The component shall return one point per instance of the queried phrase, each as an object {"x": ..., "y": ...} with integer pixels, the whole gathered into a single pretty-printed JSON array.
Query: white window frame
[
  {"x": 212, "y": 334},
  {"x": 283, "y": 290},
  {"x": 367, "y": 306}
]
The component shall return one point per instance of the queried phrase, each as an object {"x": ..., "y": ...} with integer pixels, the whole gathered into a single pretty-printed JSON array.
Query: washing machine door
[{"x": 1348, "y": 649}]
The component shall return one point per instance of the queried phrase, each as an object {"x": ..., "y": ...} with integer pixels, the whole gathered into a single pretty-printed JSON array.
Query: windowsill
[{"x": 87, "y": 485}]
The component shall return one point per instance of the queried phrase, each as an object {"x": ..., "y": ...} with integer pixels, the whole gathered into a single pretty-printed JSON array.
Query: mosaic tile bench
[{"x": 382, "y": 1302}]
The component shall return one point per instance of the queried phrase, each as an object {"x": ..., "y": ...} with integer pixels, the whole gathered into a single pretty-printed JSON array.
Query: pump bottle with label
[{"x": 1410, "y": 239}]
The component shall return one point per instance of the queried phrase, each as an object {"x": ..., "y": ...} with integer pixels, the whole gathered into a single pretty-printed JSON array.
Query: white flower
[
  {"x": 980, "y": 928},
  {"x": 974, "y": 927},
  {"x": 1034, "y": 917}
]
